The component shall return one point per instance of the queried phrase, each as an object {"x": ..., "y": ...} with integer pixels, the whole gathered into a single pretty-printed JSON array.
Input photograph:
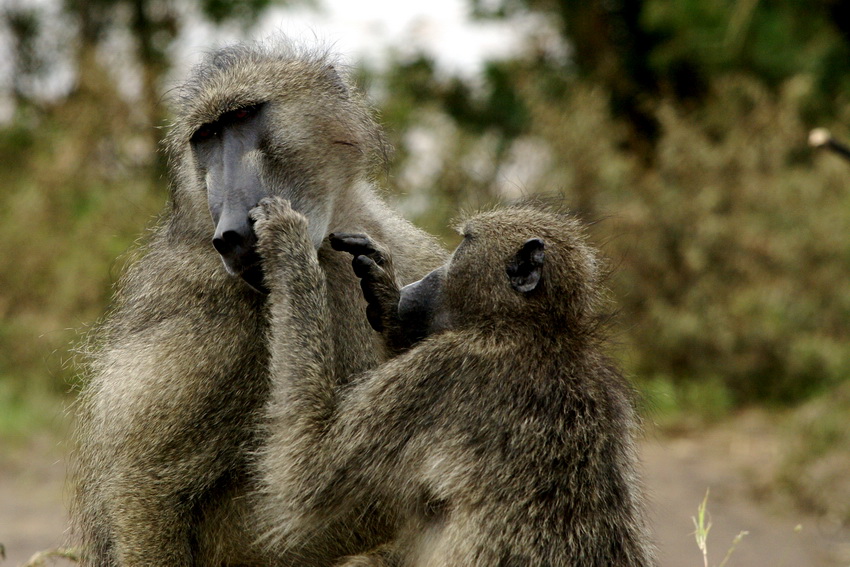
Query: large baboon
[
  {"x": 179, "y": 377},
  {"x": 503, "y": 438}
]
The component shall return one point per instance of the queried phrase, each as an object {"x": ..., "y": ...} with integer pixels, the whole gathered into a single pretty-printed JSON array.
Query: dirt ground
[
  {"x": 33, "y": 513},
  {"x": 734, "y": 460}
]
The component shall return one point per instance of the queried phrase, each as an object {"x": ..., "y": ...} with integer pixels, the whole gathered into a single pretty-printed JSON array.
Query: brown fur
[
  {"x": 505, "y": 440},
  {"x": 179, "y": 375}
]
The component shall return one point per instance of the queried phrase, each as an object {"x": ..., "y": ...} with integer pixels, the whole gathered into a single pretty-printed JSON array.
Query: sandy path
[
  {"x": 678, "y": 472},
  {"x": 32, "y": 507},
  {"x": 729, "y": 459}
]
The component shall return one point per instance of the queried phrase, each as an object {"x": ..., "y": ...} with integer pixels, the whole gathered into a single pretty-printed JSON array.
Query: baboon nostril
[
  {"x": 228, "y": 241},
  {"x": 221, "y": 246}
]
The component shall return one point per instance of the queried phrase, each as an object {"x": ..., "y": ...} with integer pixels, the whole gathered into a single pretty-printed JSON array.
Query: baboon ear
[
  {"x": 525, "y": 269},
  {"x": 336, "y": 80}
]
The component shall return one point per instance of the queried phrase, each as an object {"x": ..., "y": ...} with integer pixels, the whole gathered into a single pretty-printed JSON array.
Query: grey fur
[
  {"x": 507, "y": 439},
  {"x": 179, "y": 372}
]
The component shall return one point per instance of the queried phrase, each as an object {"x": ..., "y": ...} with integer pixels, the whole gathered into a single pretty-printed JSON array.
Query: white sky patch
[
  {"x": 362, "y": 31},
  {"x": 371, "y": 30}
]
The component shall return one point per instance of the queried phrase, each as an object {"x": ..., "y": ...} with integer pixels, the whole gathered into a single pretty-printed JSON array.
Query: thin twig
[
  {"x": 702, "y": 525},
  {"x": 822, "y": 138},
  {"x": 40, "y": 558}
]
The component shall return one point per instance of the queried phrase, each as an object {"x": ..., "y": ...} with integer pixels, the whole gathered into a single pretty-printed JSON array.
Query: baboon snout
[
  {"x": 235, "y": 241},
  {"x": 229, "y": 242},
  {"x": 420, "y": 309}
]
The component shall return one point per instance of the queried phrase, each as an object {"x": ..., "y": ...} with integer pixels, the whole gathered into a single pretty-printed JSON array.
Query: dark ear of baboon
[
  {"x": 170, "y": 417},
  {"x": 503, "y": 437},
  {"x": 337, "y": 80},
  {"x": 524, "y": 270}
]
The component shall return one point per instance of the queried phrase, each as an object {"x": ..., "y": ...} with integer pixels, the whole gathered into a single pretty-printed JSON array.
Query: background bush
[{"x": 677, "y": 129}]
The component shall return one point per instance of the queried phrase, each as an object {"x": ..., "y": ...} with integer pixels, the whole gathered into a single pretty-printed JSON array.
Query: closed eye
[
  {"x": 212, "y": 129},
  {"x": 240, "y": 114},
  {"x": 206, "y": 132}
]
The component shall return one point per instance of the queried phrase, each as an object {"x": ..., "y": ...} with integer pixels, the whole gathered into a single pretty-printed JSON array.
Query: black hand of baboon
[
  {"x": 356, "y": 244},
  {"x": 379, "y": 288},
  {"x": 370, "y": 275}
]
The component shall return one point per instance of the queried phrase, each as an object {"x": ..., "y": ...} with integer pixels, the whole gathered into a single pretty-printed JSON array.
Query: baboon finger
[
  {"x": 356, "y": 244},
  {"x": 368, "y": 270},
  {"x": 369, "y": 292},
  {"x": 365, "y": 267},
  {"x": 374, "y": 314}
]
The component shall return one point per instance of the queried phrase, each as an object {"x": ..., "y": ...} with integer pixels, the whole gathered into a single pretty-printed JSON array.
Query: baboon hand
[
  {"x": 281, "y": 231},
  {"x": 357, "y": 244},
  {"x": 379, "y": 289}
]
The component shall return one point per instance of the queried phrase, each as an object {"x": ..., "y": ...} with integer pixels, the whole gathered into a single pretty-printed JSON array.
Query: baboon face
[
  {"x": 443, "y": 299},
  {"x": 228, "y": 155},
  {"x": 273, "y": 127},
  {"x": 518, "y": 266}
]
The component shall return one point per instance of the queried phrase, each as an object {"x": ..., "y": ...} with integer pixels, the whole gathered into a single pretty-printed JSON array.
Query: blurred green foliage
[
  {"x": 815, "y": 467},
  {"x": 73, "y": 203},
  {"x": 642, "y": 50},
  {"x": 678, "y": 130},
  {"x": 729, "y": 253},
  {"x": 680, "y": 127}
]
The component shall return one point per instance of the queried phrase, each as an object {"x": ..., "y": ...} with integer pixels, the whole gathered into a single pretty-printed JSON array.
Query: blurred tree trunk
[
  {"x": 23, "y": 26},
  {"x": 612, "y": 49},
  {"x": 151, "y": 36}
]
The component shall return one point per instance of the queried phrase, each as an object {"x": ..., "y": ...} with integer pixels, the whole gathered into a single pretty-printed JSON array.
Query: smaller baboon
[{"x": 503, "y": 437}]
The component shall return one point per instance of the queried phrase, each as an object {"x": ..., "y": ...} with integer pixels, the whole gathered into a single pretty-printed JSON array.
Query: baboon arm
[
  {"x": 302, "y": 359},
  {"x": 304, "y": 385},
  {"x": 340, "y": 444},
  {"x": 337, "y": 449},
  {"x": 355, "y": 457},
  {"x": 380, "y": 432}
]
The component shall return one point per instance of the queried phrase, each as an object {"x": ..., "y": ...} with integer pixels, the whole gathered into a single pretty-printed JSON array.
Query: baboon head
[
  {"x": 519, "y": 266},
  {"x": 254, "y": 121}
]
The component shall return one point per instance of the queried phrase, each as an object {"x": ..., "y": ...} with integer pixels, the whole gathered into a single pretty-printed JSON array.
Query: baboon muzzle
[{"x": 236, "y": 242}]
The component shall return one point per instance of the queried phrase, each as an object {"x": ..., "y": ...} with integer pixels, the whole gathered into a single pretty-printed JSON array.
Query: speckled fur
[
  {"x": 179, "y": 369},
  {"x": 507, "y": 440}
]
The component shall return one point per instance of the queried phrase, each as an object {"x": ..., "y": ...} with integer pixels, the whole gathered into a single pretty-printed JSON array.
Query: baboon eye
[
  {"x": 205, "y": 132},
  {"x": 243, "y": 113}
]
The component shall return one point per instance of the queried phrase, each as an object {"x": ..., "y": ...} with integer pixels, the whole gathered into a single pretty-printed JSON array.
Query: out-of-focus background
[{"x": 679, "y": 129}]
